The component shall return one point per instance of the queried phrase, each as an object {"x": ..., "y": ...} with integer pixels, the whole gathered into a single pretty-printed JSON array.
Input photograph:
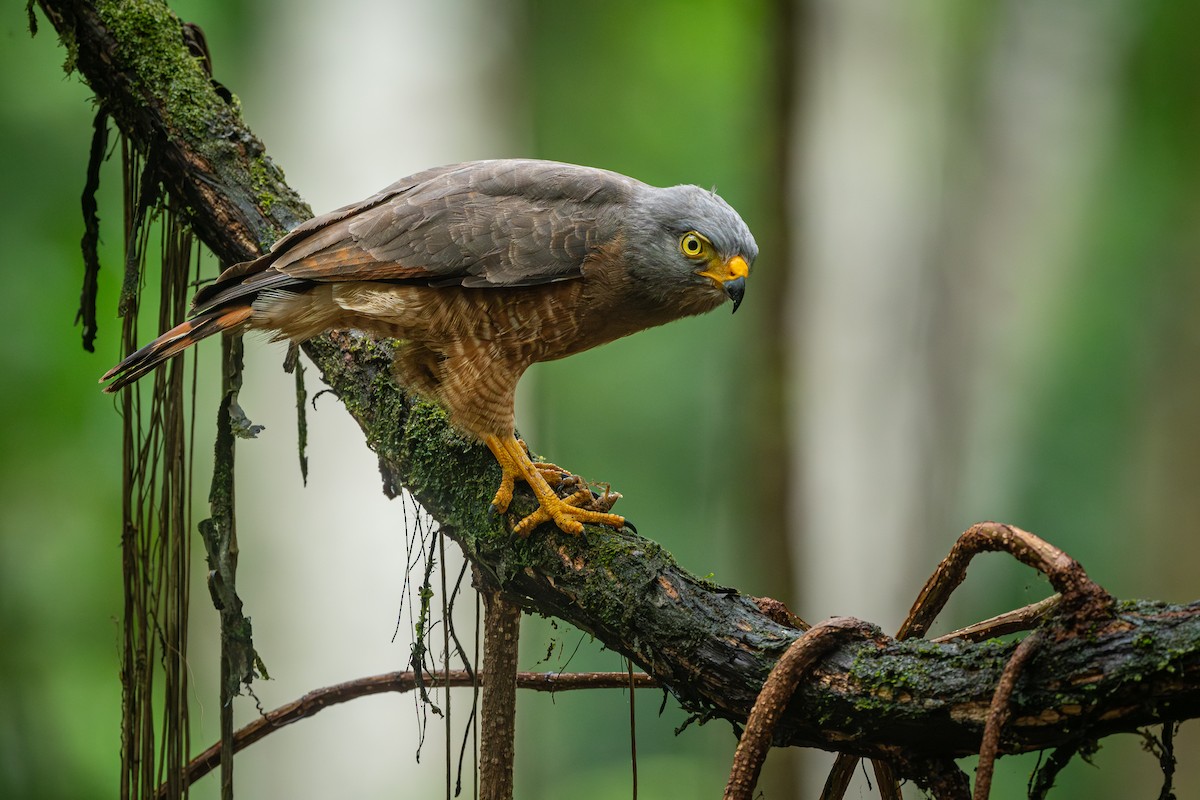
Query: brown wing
[{"x": 479, "y": 224}]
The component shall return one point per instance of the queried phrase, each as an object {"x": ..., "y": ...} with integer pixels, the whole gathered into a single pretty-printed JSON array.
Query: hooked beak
[
  {"x": 730, "y": 276},
  {"x": 735, "y": 289}
]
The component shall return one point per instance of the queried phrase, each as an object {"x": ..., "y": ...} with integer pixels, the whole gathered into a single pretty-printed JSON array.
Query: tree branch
[
  {"x": 318, "y": 700},
  {"x": 906, "y": 702}
]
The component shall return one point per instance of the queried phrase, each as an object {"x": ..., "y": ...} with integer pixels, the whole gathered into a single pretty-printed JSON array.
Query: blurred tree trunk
[{"x": 999, "y": 239}]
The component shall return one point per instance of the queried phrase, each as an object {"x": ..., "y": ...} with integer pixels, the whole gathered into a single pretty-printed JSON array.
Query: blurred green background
[{"x": 979, "y": 223}]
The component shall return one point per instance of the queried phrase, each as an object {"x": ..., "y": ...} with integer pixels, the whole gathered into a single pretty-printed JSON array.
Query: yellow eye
[{"x": 691, "y": 244}]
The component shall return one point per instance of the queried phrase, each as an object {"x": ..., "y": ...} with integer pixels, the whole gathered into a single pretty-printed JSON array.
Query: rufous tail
[{"x": 174, "y": 342}]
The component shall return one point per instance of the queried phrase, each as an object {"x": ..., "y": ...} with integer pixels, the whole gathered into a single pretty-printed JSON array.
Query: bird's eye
[{"x": 691, "y": 245}]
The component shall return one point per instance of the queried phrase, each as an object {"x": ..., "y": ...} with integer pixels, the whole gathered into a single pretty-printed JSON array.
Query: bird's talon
[
  {"x": 504, "y": 493},
  {"x": 568, "y": 514},
  {"x": 503, "y": 499}
]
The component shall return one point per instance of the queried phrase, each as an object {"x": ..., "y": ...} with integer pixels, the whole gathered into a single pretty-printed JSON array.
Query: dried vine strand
[
  {"x": 999, "y": 712},
  {"x": 1083, "y": 599},
  {"x": 781, "y": 683},
  {"x": 156, "y": 507}
]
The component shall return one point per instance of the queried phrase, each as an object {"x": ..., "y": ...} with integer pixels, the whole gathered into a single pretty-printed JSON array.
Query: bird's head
[{"x": 684, "y": 239}]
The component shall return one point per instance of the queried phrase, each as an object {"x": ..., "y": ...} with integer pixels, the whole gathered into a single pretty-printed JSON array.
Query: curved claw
[
  {"x": 504, "y": 494},
  {"x": 567, "y": 514}
]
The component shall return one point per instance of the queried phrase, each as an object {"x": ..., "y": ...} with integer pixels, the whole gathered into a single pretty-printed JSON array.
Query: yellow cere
[
  {"x": 732, "y": 269},
  {"x": 738, "y": 268}
]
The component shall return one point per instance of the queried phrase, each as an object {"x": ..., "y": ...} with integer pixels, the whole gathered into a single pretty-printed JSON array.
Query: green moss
[
  {"x": 150, "y": 50},
  {"x": 909, "y": 668},
  {"x": 71, "y": 47},
  {"x": 261, "y": 181},
  {"x": 886, "y": 677}
]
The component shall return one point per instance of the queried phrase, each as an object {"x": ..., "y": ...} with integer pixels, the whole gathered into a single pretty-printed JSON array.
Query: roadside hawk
[{"x": 480, "y": 270}]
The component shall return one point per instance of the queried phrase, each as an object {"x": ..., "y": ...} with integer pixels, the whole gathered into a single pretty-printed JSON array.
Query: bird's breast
[{"x": 523, "y": 324}]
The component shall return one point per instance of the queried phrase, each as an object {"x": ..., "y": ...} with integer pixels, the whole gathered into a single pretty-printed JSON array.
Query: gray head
[{"x": 688, "y": 238}]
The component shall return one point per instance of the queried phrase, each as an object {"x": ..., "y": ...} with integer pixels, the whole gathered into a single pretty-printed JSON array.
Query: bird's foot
[
  {"x": 569, "y": 514},
  {"x": 553, "y": 473}
]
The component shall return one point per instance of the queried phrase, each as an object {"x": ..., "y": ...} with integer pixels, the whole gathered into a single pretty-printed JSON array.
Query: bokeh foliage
[{"x": 671, "y": 92}]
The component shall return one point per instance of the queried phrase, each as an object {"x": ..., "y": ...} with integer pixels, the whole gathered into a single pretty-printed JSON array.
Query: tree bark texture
[{"x": 710, "y": 645}]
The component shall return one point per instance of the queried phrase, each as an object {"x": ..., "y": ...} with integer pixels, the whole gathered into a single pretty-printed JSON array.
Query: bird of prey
[{"x": 479, "y": 270}]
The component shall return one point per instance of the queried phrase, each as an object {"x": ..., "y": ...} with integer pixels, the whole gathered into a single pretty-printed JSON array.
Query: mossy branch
[{"x": 712, "y": 646}]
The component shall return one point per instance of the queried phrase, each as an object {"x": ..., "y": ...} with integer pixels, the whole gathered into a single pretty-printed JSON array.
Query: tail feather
[{"x": 174, "y": 342}]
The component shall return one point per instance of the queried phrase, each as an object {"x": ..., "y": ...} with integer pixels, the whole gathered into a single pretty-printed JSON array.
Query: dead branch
[
  {"x": 318, "y": 700},
  {"x": 1082, "y": 599},
  {"x": 1021, "y": 619}
]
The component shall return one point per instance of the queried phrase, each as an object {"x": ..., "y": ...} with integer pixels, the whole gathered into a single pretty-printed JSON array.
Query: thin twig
[
  {"x": 476, "y": 684},
  {"x": 295, "y": 367},
  {"x": 839, "y": 777},
  {"x": 1167, "y": 761},
  {"x": 400, "y": 682},
  {"x": 226, "y": 552},
  {"x": 1021, "y": 619},
  {"x": 446, "y": 625},
  {"x": 632, "y": 726},
  {"x": 885, "y": 776},
  {"x": 1042, "y": 781}
]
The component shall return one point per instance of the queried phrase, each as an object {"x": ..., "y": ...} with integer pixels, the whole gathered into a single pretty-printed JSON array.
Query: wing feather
[{"x": 478, "y": 224}]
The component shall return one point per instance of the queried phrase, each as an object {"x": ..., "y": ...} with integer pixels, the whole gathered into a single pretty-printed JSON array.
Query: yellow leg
[{"x": 566, "y": 514}]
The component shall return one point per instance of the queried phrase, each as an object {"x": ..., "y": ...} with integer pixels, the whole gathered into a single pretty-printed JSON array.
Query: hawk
[{"x": 479, "y": 270}]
